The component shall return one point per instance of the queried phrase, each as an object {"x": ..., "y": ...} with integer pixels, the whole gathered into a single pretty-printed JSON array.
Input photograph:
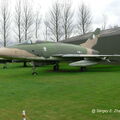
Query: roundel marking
[{"x": 45, "y": 49}]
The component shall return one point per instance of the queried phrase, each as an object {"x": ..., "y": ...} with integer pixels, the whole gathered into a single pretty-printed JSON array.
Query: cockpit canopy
[
  {"x": 30, "y": 42},
  {"x": 27, "y": 42},
  {"x": 35, "y": 42}
]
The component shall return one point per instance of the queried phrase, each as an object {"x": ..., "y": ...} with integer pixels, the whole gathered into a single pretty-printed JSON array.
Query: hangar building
[{"x": 108, "y": 42}]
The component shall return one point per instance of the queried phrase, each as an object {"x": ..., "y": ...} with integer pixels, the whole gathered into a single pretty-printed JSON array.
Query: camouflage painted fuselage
[{"x": 48, "y": 49}]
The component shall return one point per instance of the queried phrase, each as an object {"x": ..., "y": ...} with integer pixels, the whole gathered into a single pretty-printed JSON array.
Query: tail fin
[{"x": 92, "y": 41}]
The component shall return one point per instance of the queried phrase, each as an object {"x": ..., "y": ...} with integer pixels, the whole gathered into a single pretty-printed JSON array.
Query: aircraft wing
[
  {"x": 93, "y": 58},
  {"x": 88, "y": 60},
  {"x": 56, "y": 57},
  {"x": 85, "y": 55}
]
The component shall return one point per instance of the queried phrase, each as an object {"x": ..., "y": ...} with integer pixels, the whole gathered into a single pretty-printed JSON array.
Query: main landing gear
[
  {"x": 24, "y": 64},
  {"x": 82, "y": 69},
  {"x": 56, "y": 67}
]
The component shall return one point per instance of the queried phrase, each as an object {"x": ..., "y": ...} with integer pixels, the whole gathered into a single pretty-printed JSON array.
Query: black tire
[
  {"x": 56, "y": 67},
  {"x": 24, "y": 64},
  {"x": 82, "y": 69}
]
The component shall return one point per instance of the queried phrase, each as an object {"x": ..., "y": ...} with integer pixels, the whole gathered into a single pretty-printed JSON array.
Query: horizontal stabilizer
[{"x": 83, "y": 63}]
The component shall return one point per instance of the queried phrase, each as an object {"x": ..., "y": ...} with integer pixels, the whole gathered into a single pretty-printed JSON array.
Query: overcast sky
[{"x": 109, "y": 8}]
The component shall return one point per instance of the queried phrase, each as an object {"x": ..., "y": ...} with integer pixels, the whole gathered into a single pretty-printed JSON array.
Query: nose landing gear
[{"x": 34, "y": 69}]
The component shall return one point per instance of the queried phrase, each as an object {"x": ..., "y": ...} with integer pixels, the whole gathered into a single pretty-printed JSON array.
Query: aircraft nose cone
[
  {"x": 14, "y": 53},
  {"x": 5, "y": 52}
]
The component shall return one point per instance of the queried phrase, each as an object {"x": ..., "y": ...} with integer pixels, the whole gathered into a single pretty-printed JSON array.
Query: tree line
[{"x": 58, "y": 24}]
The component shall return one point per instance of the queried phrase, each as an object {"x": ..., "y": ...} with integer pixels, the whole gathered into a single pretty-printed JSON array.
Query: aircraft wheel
[
  {"x": 24, "y": 64},
  {"x": 56, "y": 67},
  {"x": 82, "y": 69}
]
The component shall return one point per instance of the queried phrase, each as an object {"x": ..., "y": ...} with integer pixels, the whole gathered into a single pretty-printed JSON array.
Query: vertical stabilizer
[{"x": 92, "y": 41}]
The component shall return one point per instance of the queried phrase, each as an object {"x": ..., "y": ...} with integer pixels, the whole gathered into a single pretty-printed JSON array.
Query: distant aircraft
[{"x": 46, "y": 53}]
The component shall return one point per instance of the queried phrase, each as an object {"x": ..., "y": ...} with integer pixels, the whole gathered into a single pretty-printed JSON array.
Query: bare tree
[
  {"x": 27, "y": 21},
  {"x": 18, "y": 21},
  {"x": 104, "y": 22},
  {"x": 84, "y": 19},
  {"x": 37, "y": 24},
  {"x": 67, "y": 20},
  {"x": 46, "y": 30},
  {"x": 55, "y": 22},
  {"x": 113, "y": 26},
  {"x": 5, "y": 22}
]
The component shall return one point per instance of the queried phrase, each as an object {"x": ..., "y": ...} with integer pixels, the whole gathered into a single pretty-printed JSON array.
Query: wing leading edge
[{"x": 89, "y": 55}]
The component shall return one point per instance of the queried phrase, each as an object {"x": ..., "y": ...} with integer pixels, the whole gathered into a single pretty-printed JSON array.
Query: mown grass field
[{"x": 64, "y": 95}]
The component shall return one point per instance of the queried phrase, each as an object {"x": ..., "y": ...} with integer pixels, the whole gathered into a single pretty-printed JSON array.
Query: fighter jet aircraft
[{"x": 46, "y": 53}]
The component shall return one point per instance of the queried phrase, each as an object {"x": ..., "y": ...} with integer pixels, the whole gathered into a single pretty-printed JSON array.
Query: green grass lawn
[{"x": 64, "y": 95}]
